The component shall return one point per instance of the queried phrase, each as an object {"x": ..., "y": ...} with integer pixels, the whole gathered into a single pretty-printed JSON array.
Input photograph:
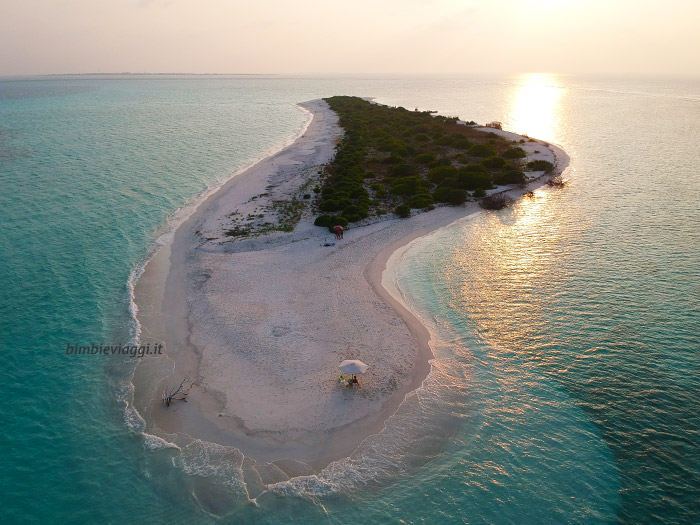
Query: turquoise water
[{"x": 565, "y": 328}]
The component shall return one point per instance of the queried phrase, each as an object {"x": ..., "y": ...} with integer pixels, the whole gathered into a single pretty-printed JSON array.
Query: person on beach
[
  {"x": 338, "y": 232},
  {"x": 354, "y": 381}
]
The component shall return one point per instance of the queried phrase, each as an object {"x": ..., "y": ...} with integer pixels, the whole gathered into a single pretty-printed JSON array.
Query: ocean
[{"x": 566, "y": 328}]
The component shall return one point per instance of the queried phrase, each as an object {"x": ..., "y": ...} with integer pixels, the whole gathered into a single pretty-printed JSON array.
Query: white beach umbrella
[{"x": 353, "y": 366}]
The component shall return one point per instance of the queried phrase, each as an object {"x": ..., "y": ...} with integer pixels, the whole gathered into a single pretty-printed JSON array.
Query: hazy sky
[{"x": 358, "y": 36}]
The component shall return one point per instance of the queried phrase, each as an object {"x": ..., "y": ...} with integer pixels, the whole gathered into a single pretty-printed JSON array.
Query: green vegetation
[
  {"x": 396, "y": 159},
  {"x": 403, "y": 211},
  {"x": 482, "y": 150},
  {"x": 450, "y": 195},
  {"x": 540, "y": 165},
  {"x": 514, "y": 153},
  {"x": 509, "y": 176}
]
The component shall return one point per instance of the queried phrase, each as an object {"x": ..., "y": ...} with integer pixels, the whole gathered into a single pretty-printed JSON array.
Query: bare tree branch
[{"x": 172, "y": 395}]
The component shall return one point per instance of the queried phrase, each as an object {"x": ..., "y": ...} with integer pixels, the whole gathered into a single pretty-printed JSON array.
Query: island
[{"x": 256, "y": 301}]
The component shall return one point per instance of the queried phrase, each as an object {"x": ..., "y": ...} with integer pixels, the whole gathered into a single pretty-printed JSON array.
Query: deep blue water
[{"x": 565, "y": 328}]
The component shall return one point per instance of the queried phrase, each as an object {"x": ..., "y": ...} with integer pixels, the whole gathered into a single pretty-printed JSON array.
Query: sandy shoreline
[{"x": 260, "y": 324}]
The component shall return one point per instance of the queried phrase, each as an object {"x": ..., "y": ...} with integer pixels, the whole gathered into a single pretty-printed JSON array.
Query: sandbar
[{"x": 260, "y": 322}]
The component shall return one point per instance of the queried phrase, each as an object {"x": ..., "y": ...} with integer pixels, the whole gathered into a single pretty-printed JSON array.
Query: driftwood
[
  {"x": 496, "y": 201},
  {"x": 177, "y": 394},
  {"x": 556, "y": 182}
]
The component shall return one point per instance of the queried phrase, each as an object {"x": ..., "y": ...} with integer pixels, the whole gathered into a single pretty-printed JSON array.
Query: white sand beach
[{"x": 261, "y": 323}]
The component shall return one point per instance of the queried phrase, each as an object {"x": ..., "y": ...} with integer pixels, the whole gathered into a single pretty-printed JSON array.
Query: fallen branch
[
  {"x": 172, "y": 395},
  {"x": 556, "y": 182},
  {"x": 496, "y": 201}
]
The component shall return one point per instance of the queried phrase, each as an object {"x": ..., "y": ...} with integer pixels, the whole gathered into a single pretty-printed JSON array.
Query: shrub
[
  {"x": 403, "y": 211},
  {"x": 330, "y": 205},
  {"x": 394, "y": 159},
  {"x": 359, "y": 193},
  {"x": 482, "y": 150},
  {"x": 307, "y": 195},
  {"x": 479, "y": 193},
  {"x": 422, "y": 137},
  {"x": 323, "y": 220},
  {"x": 403, "y": 170},
  {"x": 407, "y": 185},
  {"x": 437, "y": 175},
  {"x": 444, "y": 141},
  {"x": 493, "y": 162},
  {"x": 420, "y": 201},
  {"x": 450, "y": 182},
  {"x": 473, "y": 180},
  {"x": 461, "y": 142},
  {"x": 450, "y": 195},
  {"x": 355, "y": 211},
  {"x": 343, "y": 203},
  {"x": 511, "y": 176},
  {"x": 424, "y": 158},
  {"x": 335, "y": 221},
  {"x": 473, "y": 168},
  {"x": 540, "y": 165},
  {"x": 514, "y": 153}
]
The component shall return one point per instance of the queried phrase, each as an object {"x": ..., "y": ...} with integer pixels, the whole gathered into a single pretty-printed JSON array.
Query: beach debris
[
  {"x": 177, "y": 394},
  {"x": 496, "y": 201},
  {"x": 556, "y": 182}
]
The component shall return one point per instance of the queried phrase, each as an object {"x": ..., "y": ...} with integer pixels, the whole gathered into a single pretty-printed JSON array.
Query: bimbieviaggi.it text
[{"x": 130, "y": 350}]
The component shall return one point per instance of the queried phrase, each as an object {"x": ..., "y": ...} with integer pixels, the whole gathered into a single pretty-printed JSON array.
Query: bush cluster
[
  {"x": 540, "y": 165},
  {"x": 396, "y": 159}
]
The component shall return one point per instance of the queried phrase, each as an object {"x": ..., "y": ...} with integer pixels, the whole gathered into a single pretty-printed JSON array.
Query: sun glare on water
[{"x": 534, "y": 106}]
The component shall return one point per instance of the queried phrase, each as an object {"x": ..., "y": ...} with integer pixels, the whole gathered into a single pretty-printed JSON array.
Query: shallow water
[{"x": 566, "y": 327}]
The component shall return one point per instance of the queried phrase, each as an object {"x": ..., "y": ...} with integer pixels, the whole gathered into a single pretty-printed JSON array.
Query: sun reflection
[
  {"x": 506, "y": 259},
  {"x": 534, "y": 107}
]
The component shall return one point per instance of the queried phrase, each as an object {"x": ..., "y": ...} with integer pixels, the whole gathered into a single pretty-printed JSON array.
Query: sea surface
[{"x": 566, "y": 328}]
